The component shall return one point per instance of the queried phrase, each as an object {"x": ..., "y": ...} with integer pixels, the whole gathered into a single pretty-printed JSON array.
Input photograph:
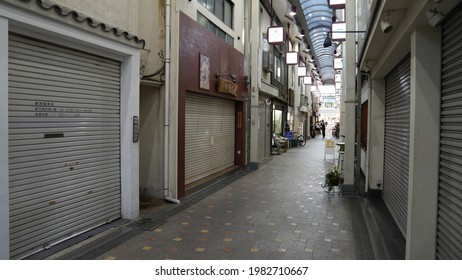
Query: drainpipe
[
  {"x": 167, "y": 106},
  {"x": 358, "y": 129},
  {"x": 248, "y": 55}
]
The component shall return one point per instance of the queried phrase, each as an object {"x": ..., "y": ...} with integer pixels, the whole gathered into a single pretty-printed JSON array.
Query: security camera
[{"x": 386, "y": 26}]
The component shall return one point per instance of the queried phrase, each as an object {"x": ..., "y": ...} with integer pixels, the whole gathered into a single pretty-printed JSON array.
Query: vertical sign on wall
[
  {"x": 204, "y": 79},
  {"x": 136, "y": 129}
]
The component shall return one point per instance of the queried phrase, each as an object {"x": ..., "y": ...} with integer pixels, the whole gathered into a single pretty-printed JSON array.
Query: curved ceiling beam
[{"x": 318, "y": 18}]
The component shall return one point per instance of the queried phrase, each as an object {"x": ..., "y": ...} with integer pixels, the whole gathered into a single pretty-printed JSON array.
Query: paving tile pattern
[{"x": 277, "y": 212}]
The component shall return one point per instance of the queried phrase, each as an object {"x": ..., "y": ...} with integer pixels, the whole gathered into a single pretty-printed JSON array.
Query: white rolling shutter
[
  {"x": 64, "y": 143},
  {"x": 449, "y": 230},
  {"x": 209, "y": 136},
  {"x": 396, "y": 153}
]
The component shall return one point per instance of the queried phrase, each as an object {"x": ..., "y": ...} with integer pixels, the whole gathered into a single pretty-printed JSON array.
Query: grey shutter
[
  {"x": 396, "y": 153},
  {"x": 449, "y": 231},
  {"x": 209, "y": 137},
  {"x": 64, "y": 143}
]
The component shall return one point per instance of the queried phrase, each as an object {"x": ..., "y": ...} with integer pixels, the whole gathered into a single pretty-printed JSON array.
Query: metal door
[
  {"x": 209, "y": 136},
  {"x": 396, "y": 153},
  {"x": 449, "y": 230},
  {"x": 64, "y": 143}
]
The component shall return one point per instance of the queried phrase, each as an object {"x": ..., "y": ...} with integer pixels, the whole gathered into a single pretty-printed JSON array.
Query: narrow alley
[{"x": 277, "y": 212}]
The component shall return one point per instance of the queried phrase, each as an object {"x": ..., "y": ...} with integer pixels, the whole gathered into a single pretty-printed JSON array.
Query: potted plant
[{"x": 333, "y": 179}]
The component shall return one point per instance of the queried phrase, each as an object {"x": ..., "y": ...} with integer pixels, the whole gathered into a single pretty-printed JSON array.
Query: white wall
[
  {"x": 119, "y": 13},
  {"x": 348, "y": 119},
  {"x": 265, "y": 22},
  {"x": 151, "y": 142},
  {"x": 151, "y": 27},
  {"x": 424, "y": 143},
  {"x": 376, "y": 134}
]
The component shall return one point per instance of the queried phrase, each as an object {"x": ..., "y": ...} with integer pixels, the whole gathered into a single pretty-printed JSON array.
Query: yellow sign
[
  {"x": 239, "y": 119},
  {"x": 330, "y": 143},
  {"x": 227, "y": 86}
]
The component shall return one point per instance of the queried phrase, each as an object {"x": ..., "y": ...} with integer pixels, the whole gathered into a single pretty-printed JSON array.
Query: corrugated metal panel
[
  {"x": 449, "y": 231},
  {"x": 64, "y": 143},
  {"x": 209, "y": 137},
  {"x": 396, "y": 154}
]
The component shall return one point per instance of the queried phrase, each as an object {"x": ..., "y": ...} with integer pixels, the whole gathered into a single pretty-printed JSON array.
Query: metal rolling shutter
[
  {"x": 64, "y": 143},
  {"x": 209, "y": 137},
  {"x": 396, "y": 154},
  {"x": 449, "y": 231}
]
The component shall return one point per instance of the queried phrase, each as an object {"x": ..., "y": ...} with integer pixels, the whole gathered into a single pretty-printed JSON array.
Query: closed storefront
[
  {"x": 449, "y": 228},
  {"x": 64, "y": 143},
  {"x": 209, "y": 136},
  {"x": 396, "y": 149}
]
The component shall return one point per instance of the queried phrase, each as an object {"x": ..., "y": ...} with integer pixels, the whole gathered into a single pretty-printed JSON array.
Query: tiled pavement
[{"x": 277, "y": 212}]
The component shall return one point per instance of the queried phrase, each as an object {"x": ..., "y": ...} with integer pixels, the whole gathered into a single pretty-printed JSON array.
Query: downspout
[
  {"x": 248, "y": 55},
  {"x": 167, "y": 106},
  {"x": 358, "y": 129},
  {"x": 369, "y": 102}
]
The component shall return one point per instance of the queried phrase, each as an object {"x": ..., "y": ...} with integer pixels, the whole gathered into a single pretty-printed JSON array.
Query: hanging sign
[
  {"x": 275, "y": 35},
  {"x": 337, "y": 4},
  {"x": 292, "y": 58},
  {"x": 338, "y": 63},
  {"x": 338, "y": 31}
]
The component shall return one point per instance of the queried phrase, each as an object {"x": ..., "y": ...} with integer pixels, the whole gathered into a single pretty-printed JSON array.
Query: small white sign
[
  {"x": 338, "y": 63},
  {"x": 307, "y": 81},
  {"x": 327, "y": 89},
  {"x": 275, "y": 35},
  {"x": 338, "y": 31},
  {"x": 292, "y": 58},
  {"x": 337, "y": 4}
]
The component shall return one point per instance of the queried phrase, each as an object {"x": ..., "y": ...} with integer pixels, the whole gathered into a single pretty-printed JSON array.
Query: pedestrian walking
[
  {"x": 323, "y": 129},
  {"x": 337, "y": 130}
]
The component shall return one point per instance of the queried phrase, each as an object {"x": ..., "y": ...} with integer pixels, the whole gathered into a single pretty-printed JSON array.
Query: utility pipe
[{"x": 167, "y": 106}]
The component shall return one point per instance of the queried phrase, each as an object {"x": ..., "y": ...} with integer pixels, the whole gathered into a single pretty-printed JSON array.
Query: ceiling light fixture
[
  {"x": 300, "y": 35},
  {"x": 293, "y": 11}
]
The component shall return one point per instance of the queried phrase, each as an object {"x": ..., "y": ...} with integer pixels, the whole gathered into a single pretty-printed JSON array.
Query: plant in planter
[{"x": 333, "y": 178}]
